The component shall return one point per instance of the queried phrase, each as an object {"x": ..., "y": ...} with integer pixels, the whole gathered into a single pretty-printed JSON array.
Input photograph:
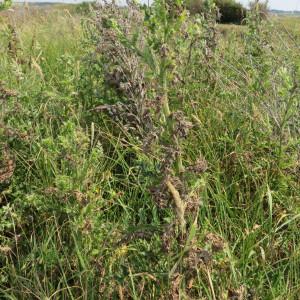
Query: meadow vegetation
[{"x": 146, "y": 153}]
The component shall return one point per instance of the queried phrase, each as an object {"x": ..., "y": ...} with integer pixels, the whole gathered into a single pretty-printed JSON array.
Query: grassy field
[{"x": 148, "y": 158}]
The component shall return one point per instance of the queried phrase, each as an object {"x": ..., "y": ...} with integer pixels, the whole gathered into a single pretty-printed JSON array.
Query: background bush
[{"x": 230, "y": 11}]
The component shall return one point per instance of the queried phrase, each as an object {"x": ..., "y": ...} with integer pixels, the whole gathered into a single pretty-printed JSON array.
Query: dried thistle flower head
[
  {"x": 199, "y": 167},
  {"x": 6, "y": 93},
  {"x": 170, "y": 155},
  {"x": 237, "y": 294},
  {"x": 164, "y": 51},
  {"x": 197, "y": 258},
  {"x": 192, "y": 204},
  {"x": 175, "y": 286},
  {"x": 181, "y": 125},
  {"x": 149, "y": 140},
  {"x": 7, "y": 164},
  {"x": 168, "y": 237},
  {"x": 160, "y": 196},
  {"x": 217, "y": 242}
]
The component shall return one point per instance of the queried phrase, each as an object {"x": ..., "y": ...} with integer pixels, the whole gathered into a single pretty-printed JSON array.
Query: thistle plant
[
  {"x": 141, "y": 50},
  {"x": 278, "y": 84},
  {"x": 7, "y": 163}
]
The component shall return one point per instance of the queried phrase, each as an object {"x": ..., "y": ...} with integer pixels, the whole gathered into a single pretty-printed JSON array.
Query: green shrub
[{"x": 230, "y": 11}]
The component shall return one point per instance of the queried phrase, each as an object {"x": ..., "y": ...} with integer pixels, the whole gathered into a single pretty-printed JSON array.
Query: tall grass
[{"x": 113, "y": 196}]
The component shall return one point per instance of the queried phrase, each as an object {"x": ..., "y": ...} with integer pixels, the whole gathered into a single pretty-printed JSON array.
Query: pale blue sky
[{"x": 280, "y": 4}]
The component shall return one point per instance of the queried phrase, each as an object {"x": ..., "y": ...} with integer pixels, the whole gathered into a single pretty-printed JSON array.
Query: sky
[{"x": 280, "y": 4}]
